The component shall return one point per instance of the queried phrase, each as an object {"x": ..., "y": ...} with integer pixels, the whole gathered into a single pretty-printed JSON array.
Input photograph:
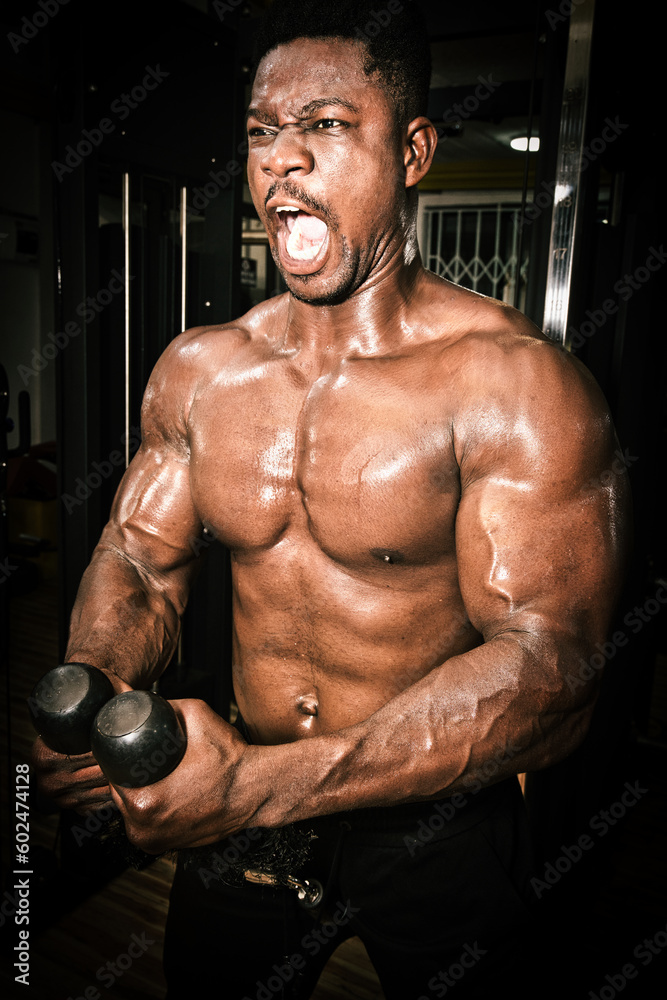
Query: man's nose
[{"x": 288, "y": 153}]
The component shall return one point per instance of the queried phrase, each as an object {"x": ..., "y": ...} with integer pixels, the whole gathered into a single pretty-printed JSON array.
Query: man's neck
[{"x": 374, "y": 320}]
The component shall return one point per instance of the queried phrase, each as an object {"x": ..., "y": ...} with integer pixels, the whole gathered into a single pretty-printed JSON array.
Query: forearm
[
  {"x": 124, "y": 621},
  {"x": 503, "y": 703}
]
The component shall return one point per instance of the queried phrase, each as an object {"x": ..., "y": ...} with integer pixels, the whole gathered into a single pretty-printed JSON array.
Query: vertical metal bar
[
  {"x": 184, "y": 256},
  {"x": 500, "y": 275},
  {"x": 126, "y": 241},
  {"x": 184, "y": 261},
  {"x": 428, "y": 242},
  {"x": 518, "y": 242},
  {"x": 457, "y": 253},
  {"x": 478, "y": 235},
  {"x": 513, "y": 254},
  {"x": 567, "y": 203},
  {"x": 441, "y": 249}
]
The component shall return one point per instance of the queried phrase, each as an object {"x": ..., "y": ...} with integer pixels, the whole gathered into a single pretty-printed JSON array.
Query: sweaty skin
[{"x": 416, "y": 488}]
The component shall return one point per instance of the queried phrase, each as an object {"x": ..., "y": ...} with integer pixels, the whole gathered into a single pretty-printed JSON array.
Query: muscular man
[{"x": 414, "y": 487}]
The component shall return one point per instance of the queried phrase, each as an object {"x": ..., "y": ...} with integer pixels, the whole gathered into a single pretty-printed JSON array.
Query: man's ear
[{"x": 421, "y": 140}]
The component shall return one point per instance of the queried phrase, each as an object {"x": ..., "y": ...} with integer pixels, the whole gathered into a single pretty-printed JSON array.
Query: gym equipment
[
  {"x": 137, "y": 739},
  {"x": 64, "y": 703}
]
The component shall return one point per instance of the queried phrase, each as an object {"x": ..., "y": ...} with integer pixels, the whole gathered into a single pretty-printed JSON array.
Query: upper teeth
[{"x": 287, "y": 208}]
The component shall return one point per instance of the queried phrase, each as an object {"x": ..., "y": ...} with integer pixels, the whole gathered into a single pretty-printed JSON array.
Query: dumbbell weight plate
[
  {"x": 137, "y": 739},
  {"x": 64, "y": 703}
]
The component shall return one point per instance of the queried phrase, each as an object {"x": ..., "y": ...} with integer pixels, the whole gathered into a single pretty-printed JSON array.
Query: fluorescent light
[{"x": 521, "y": 143}]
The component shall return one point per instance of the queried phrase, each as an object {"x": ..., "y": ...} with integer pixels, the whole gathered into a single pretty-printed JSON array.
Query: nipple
[
  {"x": 307, "y": 704},
  {"x": 389, "y": 556}
]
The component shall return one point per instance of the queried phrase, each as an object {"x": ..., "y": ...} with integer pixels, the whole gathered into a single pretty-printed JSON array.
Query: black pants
[{"x": 439, "y": 895}]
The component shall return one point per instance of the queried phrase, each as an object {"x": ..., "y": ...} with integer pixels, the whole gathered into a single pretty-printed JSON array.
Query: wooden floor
[{"x": 66, "y": 956}]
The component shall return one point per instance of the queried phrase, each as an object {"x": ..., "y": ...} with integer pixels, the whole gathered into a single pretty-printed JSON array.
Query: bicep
[
  {"x": 153, "y": 519},
  {"x": 540, "y": 531}
]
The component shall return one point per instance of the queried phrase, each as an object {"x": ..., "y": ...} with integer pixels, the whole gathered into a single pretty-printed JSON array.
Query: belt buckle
[{"x": 309, "y": 891}]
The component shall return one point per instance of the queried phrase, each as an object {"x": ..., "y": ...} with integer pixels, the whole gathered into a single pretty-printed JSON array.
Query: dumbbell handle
[{"x": 64, "y": 704}]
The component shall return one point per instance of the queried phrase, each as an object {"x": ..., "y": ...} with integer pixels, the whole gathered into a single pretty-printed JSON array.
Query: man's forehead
[{"x": 308, "y": 71}]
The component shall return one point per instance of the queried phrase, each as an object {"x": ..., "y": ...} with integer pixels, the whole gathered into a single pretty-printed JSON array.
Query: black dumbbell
[
  {"x": 64, "y": 704},
  {"x": 137, "y": 739}
]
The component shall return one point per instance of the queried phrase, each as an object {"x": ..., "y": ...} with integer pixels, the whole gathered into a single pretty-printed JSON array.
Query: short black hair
[{"x": 395, "y": 36}]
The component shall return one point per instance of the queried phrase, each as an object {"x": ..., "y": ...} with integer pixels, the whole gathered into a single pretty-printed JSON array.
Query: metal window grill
[{"x": 476, "y": 247}]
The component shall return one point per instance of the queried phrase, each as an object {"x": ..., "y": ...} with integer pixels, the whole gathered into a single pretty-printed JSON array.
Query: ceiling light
[{"x": 521, "y": 143}]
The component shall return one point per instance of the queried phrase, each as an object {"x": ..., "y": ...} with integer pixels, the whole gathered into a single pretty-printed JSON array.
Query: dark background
[{"x": 61, "y": 240}]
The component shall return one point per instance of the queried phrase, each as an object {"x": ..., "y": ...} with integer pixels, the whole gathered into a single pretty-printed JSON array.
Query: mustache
[{"x": 292, "y": 190}]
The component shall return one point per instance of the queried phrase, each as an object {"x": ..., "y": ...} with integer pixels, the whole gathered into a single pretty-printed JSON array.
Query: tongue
[
  {"x": 306, "y": 237},
  {"x": 311, "y": 227}
]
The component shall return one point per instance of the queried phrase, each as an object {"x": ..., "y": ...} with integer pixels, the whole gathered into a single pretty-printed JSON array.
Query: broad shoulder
[
  {"x": 516, "y": 391},
  {"x": 196, "y": 359},
  {"x": 203, "y": 351},
  {"x": 501, "y": 356}
]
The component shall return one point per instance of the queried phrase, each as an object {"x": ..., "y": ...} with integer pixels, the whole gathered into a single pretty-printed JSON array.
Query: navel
[{"x": 307, "y": 704}]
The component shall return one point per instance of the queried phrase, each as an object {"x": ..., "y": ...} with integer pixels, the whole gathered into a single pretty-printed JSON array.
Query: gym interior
[{"x": 126, "y": 217}]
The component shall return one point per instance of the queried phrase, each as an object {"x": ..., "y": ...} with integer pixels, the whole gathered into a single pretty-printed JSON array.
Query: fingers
[
  {"x": 75, "y": 782},
  {"x": 84, "y": 803}
]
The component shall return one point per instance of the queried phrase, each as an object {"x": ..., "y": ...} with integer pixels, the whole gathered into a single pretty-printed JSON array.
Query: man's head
[
  {"x": 337, "y": 145},
  {"x": 393, "y": 33}
]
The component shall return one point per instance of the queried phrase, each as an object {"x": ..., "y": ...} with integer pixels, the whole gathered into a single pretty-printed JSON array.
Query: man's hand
[
  {"x": 73, "y": 782},
  {"x": 204, "y": 799}
]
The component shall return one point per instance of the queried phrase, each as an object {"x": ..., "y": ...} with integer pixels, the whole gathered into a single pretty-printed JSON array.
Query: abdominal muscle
[{"x": 319, "y": 646}]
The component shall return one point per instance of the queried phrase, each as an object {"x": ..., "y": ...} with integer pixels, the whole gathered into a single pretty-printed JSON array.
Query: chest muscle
[{"x": 368, "y": 470}]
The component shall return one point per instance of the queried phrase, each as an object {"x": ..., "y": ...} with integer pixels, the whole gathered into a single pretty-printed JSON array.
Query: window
[{"x": 475, "y": 245}]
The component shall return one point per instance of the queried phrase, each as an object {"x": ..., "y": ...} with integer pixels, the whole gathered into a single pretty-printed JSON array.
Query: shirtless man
[{"x": 409, "y": 478}]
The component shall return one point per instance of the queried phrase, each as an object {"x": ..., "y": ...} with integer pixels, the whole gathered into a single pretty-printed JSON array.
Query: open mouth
[{"x": 302, "y": 239}]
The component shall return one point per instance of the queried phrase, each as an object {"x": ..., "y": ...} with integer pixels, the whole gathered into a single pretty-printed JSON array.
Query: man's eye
[
  {"x": 325, "y": 123},
  {"x": 258, "y": 133}
]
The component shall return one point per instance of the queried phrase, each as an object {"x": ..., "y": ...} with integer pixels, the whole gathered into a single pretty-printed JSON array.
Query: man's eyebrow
[
  {"x": 262, "y": 116},
  {"x": 269, "y": 118},
  {"x": 326, "y": 102}
]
